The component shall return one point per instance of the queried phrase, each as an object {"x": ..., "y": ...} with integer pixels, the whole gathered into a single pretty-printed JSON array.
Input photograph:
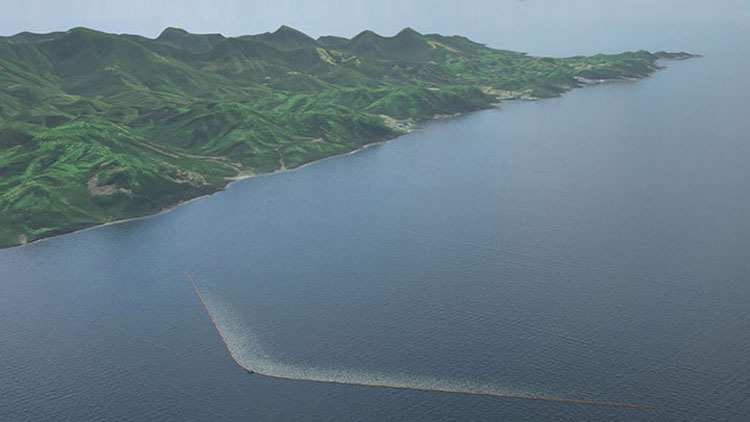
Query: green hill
[
  {"x": 286, "y": 38},
  {"x": 194, "y": 43},
  {"x": 97, "y": 127}
]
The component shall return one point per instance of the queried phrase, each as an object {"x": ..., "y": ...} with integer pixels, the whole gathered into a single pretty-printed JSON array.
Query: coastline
[
  {"x": 239, "y": 177},
  {"x": 230, "y": 180}
]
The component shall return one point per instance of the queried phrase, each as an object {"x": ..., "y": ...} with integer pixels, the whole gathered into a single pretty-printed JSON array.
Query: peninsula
[{"x": 98, "y": 127}]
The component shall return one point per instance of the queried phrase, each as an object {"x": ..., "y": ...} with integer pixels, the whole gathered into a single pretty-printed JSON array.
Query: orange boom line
[{"x": 401, "y": 387}]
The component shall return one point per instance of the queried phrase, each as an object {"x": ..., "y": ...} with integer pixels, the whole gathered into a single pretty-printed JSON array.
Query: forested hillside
[{"x": 96, "y": 127}]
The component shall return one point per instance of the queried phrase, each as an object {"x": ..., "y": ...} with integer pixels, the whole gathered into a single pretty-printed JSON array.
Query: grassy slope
[{"x": 96, "y": 127}]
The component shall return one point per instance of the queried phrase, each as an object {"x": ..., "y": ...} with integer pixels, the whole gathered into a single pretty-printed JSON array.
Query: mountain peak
[
  {"x": 367, "y": 34},
  {"x": 408, "y": 32},
  {"x": 287, "y": 37},
  {"x": 288, "y": 31},
  {"x": 84, "y": 30},
  {"x": 285, "y": 28},
  {"x": 171, "y": 32},
  {"x": 184, "y": 40}
]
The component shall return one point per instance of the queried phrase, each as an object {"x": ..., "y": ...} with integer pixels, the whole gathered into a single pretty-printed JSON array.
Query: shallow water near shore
[{"x": 595, "y": 246}]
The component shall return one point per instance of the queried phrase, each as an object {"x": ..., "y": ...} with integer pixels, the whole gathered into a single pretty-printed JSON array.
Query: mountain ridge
[{"x": 97, "y": 127}]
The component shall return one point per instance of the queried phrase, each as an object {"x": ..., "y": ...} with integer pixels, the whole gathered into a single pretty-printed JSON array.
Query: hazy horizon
[{"x": 536, "y": 26}]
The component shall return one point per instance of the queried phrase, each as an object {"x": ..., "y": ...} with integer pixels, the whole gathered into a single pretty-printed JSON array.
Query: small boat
[{"x": 250, "y": 371}]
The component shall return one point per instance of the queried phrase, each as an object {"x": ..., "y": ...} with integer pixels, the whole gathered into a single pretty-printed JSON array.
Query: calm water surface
[{"x": 595, "y": 246}]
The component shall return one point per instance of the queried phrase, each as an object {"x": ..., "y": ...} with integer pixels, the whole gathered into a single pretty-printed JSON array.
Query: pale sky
[{"x": 543, "y": 26}]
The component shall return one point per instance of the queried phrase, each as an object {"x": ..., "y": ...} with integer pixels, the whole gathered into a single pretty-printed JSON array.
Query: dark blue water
[{"x": 595, "y": 246}]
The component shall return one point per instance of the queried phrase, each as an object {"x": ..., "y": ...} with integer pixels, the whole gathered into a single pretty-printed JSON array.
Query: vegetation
[{"x": 96, "y": 127}]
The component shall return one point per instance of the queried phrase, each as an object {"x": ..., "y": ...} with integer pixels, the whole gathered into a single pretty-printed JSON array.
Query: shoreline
[{"x": 230, "y": 180}]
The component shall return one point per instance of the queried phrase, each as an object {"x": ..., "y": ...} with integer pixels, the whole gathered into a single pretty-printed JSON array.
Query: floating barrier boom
[{"x": 401, "y": 387}]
